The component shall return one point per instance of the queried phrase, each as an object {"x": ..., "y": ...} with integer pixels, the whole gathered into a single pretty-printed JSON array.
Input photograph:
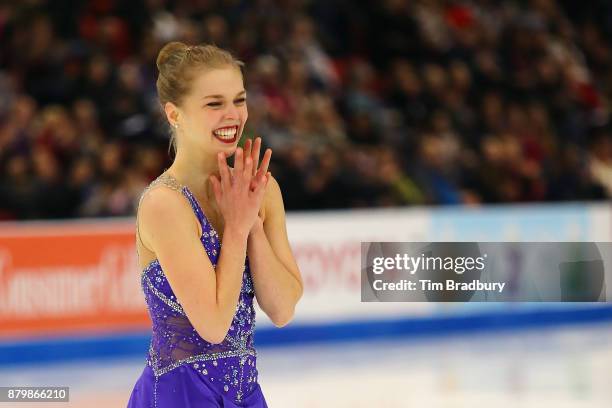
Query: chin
[{"x": 229, "y": 151}]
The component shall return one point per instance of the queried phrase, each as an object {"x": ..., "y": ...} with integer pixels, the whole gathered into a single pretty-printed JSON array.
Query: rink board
[{"x": 80, "y": 280}]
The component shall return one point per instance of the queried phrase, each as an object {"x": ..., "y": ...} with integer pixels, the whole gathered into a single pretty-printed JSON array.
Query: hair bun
[{"x": 170, "y": 51}]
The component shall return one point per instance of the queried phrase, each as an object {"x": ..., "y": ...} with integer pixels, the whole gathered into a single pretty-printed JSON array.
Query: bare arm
[
  {"x": 209, "y": 297},
  {"x": 276, "y": 276}
]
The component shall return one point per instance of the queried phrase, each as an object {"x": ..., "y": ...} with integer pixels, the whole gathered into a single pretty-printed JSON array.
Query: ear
[{"x": 172, "y": 112}]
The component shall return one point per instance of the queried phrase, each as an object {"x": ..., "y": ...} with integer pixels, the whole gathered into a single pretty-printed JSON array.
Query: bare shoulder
[
  {"x": 273, "y": 186},
  {"x": 273, "y": 195},
  {"x": 163, "y": 210},
  {"x": 171, "y": 229}
]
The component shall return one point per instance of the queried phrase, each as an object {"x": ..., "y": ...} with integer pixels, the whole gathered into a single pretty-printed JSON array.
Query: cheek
[{"x": 212, "y": 118}]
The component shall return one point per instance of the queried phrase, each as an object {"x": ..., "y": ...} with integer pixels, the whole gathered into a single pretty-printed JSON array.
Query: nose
[{"x": 231, "y": 112}]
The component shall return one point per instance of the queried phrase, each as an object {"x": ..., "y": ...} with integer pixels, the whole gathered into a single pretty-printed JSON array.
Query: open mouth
[{"x": 226, "y": 134}]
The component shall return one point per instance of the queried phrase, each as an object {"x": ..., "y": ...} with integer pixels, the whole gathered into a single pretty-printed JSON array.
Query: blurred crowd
[{"x": 364, "y": 103}]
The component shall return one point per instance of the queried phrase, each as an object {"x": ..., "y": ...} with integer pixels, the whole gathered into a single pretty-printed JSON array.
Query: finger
[
  {"x": 239, "y": 160},
  {"x": 258, "y": 181},
  {"x": 255, "y": 154},
  {"x": 265, "y": 162},
  {"x": 248, "y": 145},
  {"x": 268, "y": 177},
  {"x": 248, "y": 169},
  {"x": 216, "y": 186},
  {"x": 262, "y": 183},
  {"x": 224, "y": 171}
]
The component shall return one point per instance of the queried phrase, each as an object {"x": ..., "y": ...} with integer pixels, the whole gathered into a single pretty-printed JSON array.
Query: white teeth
[{"x": 227, "y": 134}]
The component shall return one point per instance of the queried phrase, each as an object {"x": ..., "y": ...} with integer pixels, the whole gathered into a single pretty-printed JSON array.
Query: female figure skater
[{"x": 209, "y": 239}]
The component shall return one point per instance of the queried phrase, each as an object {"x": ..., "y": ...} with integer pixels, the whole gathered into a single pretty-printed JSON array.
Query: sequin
[
  {"x": 173, "y": 305},
  {"x": 175, "y": 342}
]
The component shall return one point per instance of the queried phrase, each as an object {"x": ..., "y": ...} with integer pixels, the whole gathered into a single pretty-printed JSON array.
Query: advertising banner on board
[{"x": 82, "y": 276}]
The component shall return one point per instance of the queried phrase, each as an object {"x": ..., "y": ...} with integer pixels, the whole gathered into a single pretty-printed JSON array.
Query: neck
[{"x": 194, "y": 170}]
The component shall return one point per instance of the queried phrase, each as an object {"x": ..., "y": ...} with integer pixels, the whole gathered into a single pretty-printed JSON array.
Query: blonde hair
[{"x": 178, "y": 64}]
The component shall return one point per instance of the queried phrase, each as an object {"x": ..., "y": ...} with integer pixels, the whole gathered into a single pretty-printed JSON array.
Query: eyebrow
[{"x": 221, "y": 96}]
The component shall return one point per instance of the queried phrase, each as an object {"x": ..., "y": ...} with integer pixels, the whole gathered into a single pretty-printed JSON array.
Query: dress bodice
[{"x": 230, "y": 366}]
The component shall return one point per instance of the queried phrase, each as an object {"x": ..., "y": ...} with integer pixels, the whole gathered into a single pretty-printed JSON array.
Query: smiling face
[{"x": 212, "y": 115}]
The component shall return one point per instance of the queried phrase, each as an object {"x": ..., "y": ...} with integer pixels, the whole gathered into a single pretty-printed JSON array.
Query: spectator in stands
[{"x": 478, "y": 101}]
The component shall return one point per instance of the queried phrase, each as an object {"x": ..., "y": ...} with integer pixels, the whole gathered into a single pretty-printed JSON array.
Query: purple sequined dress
[{"x": 183, "y": 369}]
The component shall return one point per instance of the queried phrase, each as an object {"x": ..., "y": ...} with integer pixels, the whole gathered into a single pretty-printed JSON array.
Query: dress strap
[
  {"x": 171, "y": 182},
  {"x": 167, "y": 180}
]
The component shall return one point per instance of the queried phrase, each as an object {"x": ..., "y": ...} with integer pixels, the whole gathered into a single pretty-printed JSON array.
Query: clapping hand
[{"x": 239, "y": 194}]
